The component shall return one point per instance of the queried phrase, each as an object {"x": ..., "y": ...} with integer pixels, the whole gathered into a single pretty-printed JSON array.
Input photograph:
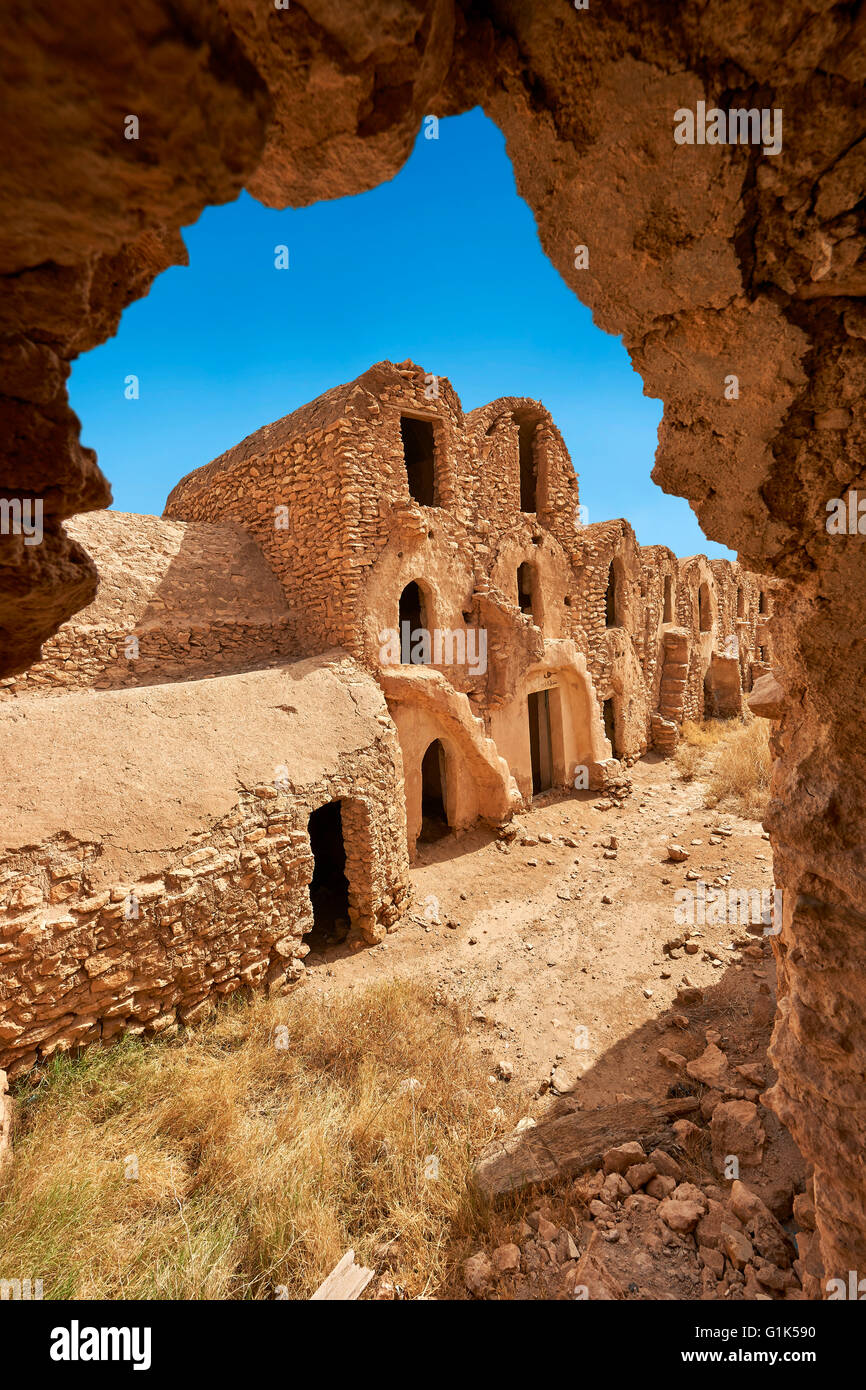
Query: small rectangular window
[{"x": 419, "y": 453}]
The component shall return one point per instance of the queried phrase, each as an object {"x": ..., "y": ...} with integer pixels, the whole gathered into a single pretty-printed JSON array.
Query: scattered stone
[
  {"x": 560, "y": 1081},
  {"x": 478, "y": 1274},
  {"x": 665, "y": 1165},
  {"x": 506, "y": 1259},
  {"x": 661, "y": 1186},
  {"x": 623, "y": 1157},
  {"x": 689, "y": 994},
  {"x": 736, "y": 1129},
  {"x": 737, "y": 1247},
  {"x": 546, "y": 1229},
  {"x": 639, "y": 1175},
  {"x": 677, "y": 854},
  {"x": 711, "y": 1068},
  {"x": 682, "y": 1217}
]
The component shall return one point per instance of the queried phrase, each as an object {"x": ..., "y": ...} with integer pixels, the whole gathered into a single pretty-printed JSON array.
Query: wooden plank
[
  {"x": 573, "y": 1143},
  {"x": 346, "y": 1280}
]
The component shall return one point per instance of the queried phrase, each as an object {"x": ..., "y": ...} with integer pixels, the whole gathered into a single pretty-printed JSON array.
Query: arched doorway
[
  {"x": 434, "y": 817},
  {"x": 414, "y": 627}
]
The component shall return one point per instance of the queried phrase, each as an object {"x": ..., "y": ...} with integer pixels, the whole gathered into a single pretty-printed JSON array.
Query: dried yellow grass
[
  {"x": 739, "y": 779},
  {"x": 258, "y": 1165},
  {"x": 696, "y": 741},
  {"x": 734, "y": 758}
]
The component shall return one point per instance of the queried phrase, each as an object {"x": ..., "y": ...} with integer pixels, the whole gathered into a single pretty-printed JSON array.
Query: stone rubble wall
[
  {"x": 137, "y": 927},
  {"x": 355, "y": 537},
  {"x": 176, "y": 601}
]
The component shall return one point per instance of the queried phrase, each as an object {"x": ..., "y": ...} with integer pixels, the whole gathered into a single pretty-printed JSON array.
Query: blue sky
[{"x": 441, "y": 265}]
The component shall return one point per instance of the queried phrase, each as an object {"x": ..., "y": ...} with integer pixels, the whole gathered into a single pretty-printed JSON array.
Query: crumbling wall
[
  {"x": 176, "y": 601},
  {"x": 176, "y": 871}
]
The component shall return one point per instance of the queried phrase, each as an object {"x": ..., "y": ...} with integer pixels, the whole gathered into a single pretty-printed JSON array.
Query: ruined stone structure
[
  {"x": 226, "y": 688},
  {"x": 157, "y": 844},
  {"x": 382, "y": 502},
  {"x": 709, "y": 260}
]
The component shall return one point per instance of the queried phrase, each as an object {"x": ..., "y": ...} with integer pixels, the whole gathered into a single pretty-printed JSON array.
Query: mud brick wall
[
  {"x": 658, "y": 564},
  {"x": 175, "y": 602},
  {"x": 104, "y": 933},
  {"x": 338, "y": 468}
]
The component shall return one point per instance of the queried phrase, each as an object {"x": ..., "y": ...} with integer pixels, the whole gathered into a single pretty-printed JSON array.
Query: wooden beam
[
  {"x": 346, "y": 1280},
  {"x": 573, "y": 1143}
]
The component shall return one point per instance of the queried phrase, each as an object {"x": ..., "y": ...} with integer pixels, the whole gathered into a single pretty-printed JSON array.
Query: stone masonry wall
[
  {"x": 176, "y": 601},
  {"x": 108, "y": 929}
]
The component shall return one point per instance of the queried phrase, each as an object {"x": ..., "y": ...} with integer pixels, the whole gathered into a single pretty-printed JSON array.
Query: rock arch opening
[
  {"x": 434, "y": 790},
  {"x": 759, "y": 473}
]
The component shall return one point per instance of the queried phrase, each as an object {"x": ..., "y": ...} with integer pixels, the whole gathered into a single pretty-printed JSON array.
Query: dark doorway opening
[
  {"x": 540, "y": 743},
  {"x": 610, "y": 599},
  {"x": 669, "y": 600},
  {"x": 704, "y": 611},
  {"x": 741, "y": 604},
  {"x": 419, "y": 452},
  {"x": 526, "y": 587},
  {"x": 609, "y": 712},
  {"x": 434, "y": 818},
  {"x": 762, "y": 601},
  {"x": 413, "y": 620},
  {"x": 528, "y": 470},
  {"x": 329, "y": 888}
]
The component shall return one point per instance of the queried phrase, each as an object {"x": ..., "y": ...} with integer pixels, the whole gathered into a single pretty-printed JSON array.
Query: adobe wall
[
  {"x": 353, "y": 535},
  {"x": 176, "y": 601},
  {"x": 174, "y": 870},
  {"x": 659, "y": 568}
]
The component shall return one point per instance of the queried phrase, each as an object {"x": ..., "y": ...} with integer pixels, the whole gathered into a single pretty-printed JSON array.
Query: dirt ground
[
  {"x": 583, "y": 988},
  {"x": 562, "y": 948}
]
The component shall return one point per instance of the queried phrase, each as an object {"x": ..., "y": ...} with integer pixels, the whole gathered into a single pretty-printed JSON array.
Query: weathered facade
[
  {"x": 382, "y": 504},
  {"x": 375, "y": 621},
  {"x": 158, "y": 844}
]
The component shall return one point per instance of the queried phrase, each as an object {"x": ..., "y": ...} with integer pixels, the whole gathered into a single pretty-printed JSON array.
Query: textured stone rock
[
  {"x": 5, "y": 1124},
  {"x": 706, "y": 259},
  {"x": 736, "y": 1131}
]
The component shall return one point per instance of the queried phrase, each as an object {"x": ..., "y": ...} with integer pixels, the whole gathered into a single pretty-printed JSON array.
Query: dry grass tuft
[
  {"x": 696, "y": 741},
  {"x": 734, "y": 757},
  {"x": 739, "y": 778},
  {"x": 258, "y": 1166}
]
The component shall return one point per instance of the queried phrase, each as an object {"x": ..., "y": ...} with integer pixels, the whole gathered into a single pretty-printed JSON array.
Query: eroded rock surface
[{"x": 709, "y": 260}]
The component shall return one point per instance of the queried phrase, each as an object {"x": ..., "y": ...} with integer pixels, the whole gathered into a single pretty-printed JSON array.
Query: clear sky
[{"x": 441, "y": 265}]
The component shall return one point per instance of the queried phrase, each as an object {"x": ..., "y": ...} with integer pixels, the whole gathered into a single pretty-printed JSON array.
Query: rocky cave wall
[{"x": 709, "y": 260}]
